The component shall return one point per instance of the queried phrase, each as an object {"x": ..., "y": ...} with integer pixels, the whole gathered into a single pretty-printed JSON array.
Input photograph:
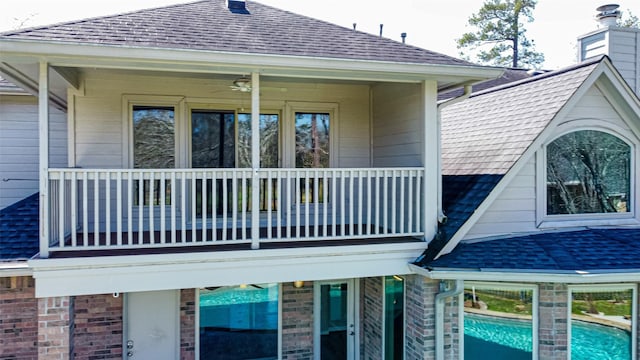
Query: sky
[{"x": 430, "y": 24}]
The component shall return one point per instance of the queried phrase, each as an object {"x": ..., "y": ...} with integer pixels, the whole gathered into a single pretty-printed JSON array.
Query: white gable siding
[
  {"x": 100, "y": 127},
  {"x": 19, "y": 146},
  {"x": 514, "y": 210},
  {"x": 624, "y": 51},
  {"x": 398, "y": 132}
]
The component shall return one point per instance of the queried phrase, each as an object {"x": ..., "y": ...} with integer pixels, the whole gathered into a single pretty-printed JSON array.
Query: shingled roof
[
  {"x": 590, "y": 250},
  {"x": 210, "y": 26},
  {"x": 19, "y": 238},
  {"x": 483, "y": 137}
]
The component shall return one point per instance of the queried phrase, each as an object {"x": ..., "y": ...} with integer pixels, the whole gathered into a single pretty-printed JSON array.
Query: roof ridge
[
  {"x": 78, "y": 21},
  {"x": 542, "y": 76}
]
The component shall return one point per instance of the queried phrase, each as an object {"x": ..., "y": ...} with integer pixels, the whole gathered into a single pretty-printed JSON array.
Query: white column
[
  {"x": 255, "y": 160},
  {"x": 430, "y": 158},
  {"x": 43, "y": 126}
]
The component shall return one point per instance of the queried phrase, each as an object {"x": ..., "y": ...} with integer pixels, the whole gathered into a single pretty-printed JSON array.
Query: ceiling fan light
[{"x": 242, "y": 82}]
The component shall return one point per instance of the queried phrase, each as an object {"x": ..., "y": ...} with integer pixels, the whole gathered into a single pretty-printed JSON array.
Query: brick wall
[
  {"x": 452, "y": 328},
  {"x": 98, "y": 327},
  {"x": 18, "y": 318},
  {"x": 297, "y": 321},
  {"x": 553, "y": 322},
  {"x": 420, "y": 317},
  {"x": 55, "y": 328},
  {"x": 372, "y": 292},
  {"x": 188, "y": 324}
]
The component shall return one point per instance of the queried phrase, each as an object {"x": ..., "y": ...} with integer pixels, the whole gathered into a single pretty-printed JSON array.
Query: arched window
[{"x": 588, "y": 171}]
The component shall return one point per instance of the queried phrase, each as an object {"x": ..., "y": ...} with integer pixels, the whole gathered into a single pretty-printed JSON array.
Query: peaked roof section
[
  {"x": 489, "y": 132},
  {"x": 508, "y": 76},
  {"x": 590, "y": 250},
  {"x": 210, "y": 26},
  {"x": 19, "y": 238}
]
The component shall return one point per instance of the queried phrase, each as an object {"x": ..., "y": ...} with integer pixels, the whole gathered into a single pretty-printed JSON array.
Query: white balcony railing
[{"x": 140, "y": 208}]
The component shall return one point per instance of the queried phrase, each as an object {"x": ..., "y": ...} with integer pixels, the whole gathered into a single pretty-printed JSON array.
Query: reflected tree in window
[
  {"x": 269, "y": 135},
  {"x": 312, "y": 140},
  {"x": 588, "y": 171},
  {"x": 153, "y": 137}
]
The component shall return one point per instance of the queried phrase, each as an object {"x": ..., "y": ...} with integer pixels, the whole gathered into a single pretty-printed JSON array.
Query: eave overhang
[
  {"x": 66, "y": 54},
  {"x": 531, "y": 275}
]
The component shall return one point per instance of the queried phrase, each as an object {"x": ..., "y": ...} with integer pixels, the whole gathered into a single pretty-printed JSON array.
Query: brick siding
[
  {"x": 420, "y": 317},
  {"x": 18, "y": 318},
  {"x": 55, "y": 328},
  {"x": 98, "y": 327},
  {"x": 553, "y": 321},
  {"x": 372, "y": 317},
  {"x": 297, "y": 322},
  {"x": 188, "y": 324}
]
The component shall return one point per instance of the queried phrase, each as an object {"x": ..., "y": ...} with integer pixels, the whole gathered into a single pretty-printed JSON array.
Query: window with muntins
[{"x": 588, "y": 172}]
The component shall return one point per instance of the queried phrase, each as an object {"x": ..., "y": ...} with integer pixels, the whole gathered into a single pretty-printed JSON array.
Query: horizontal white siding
[
  {"x": 19, "y": 146},
  {"x": 398, "y": 131},
  {"x": 624, "y": 51},
  {"x": 99, "y": 122},
  {"x": 514, "y": 210}
]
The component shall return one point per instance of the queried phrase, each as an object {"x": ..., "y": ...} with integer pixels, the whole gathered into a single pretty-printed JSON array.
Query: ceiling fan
[{"x": 242, "y": 84}]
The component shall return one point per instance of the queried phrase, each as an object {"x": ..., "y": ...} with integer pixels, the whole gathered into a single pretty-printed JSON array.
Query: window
[
  {"x": 312, "y": 151},
  {"x": 587, "y": 172},
  {"x": 498, "y": 320},
  {"x": 601, "y": 325},
  {"x": 239, "y": 322},
  {"x": 393, "y": 318},
  {"x": 153, "y": 148}
]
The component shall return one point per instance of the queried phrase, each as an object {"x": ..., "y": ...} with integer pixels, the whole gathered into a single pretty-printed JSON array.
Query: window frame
[
  {"x": 631, "y": 217},
  {"x": 604, "y": 288},
  {"x": 535, "y": 313},
  {"x": 289, "y": 132}
]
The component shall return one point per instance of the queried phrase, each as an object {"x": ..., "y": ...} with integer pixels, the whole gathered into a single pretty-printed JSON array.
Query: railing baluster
[
  {"x": 141, "y": 197},
  {"x": 119, "y": 208},
  {"x": 194, "y": 213},
  {"x": 269, "y": 203},
  {"x": 61, "y": 197},
  {"x": 307, "y": 201},
  {"x": 163, "y": 205},
  {"x": 298, "y": 199},
  {"x": 360, "y": 191},
  {"x": 129, "y": 207},
  {"x": 410, "y": 200},
  {"x": 183, "y": 206},
  {"x": 85, "y": 208},
  {"x": 419, "y": 201},
  {"x": 325, "y": 202},
  {"x": 214, "y": 206},
  {"x": 288, "y": 204},
  {"x": 152, "y": 211},
  {"x": 334, "y": 205},
  {"x": 343, "y": 210},
  {"x": 204, "y": 199},
  {"x": 107, "y": 207},
  {"x": 351, "y": 201},
  {"x": 369, "y": 202},
  {"x": 316, "y": 202},
  {"x": 225, "y": 203},
  {"x": 280, "y": 204},
  {"x": 96, "y": 208},
  {"x": 402, "y": 198},
  {"x": 173, "y": 206},
  {"x": 74, "y": 209},
  {"x": 385, "y": 202}
]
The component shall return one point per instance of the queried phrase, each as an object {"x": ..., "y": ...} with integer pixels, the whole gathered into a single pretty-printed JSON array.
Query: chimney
[
  {"x": 237, "y": 6},
  {"x": 608, "y": 15}
]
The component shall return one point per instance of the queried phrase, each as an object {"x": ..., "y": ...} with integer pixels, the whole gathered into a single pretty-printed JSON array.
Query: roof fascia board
[
  {"x": 523, "y": 276},
  {"x": 15, "y": 269},
  {"x": 63, "y": 54},
  {"x": 522, "y": 161}
]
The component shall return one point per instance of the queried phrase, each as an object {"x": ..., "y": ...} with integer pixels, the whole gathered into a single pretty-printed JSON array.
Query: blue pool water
[{"x": 513, "y": 339}]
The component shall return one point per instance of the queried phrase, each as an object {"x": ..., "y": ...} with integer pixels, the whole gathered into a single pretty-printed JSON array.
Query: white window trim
[
  {"x": 129, "y": 101},
  {"x": 197, "y": 322},
  {"x": 545, "y": 221},
  {"x": 503, "y": 286},
  {"x": 604, "y": 288},
  {"x": 289, "y": 131}
]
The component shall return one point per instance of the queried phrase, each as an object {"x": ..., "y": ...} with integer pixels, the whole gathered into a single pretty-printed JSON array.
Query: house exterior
[{"x": 243, "y": 182}]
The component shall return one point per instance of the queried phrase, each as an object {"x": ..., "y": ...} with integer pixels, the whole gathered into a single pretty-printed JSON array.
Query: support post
[
  {"x": 255, "y": 160},
  {"x": 430, "y": 159},
  {"x": 43, "y": 135}
]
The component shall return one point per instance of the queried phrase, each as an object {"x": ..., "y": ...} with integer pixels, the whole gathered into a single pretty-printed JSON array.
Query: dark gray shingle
[
  {"x": 19, "y": 238},
  {"x": 208, "y": 25}
]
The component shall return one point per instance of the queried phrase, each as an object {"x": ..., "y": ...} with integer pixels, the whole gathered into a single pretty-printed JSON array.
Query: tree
[
  {"x": 499, "y": 28},
  {"x": 629, "y": 21}
]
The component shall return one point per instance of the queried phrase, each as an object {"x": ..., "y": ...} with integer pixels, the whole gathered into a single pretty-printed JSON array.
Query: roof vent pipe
[
  {"x": 354, "y": 26},
  {"x": 381, "y": 25},
  {"x": 608, "y": 15},
  {"x": 404, "y": 37}
]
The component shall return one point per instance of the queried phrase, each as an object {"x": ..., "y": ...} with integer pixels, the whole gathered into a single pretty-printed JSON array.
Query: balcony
[{"x": 128, "y": 209}]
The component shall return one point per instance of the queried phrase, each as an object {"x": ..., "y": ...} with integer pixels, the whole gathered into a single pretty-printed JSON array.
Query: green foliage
[
  {"x": 500, "y": 38},
  {"x": 629, "y": 21}
]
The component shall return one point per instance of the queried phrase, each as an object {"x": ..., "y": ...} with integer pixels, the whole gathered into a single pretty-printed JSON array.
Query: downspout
[
  {"x": 442, "y": 218},
  {"x": 440, "y": 299}
]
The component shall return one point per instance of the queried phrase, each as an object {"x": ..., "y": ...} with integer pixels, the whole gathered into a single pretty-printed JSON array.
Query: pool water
[{"x": 512, "y": 338}]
